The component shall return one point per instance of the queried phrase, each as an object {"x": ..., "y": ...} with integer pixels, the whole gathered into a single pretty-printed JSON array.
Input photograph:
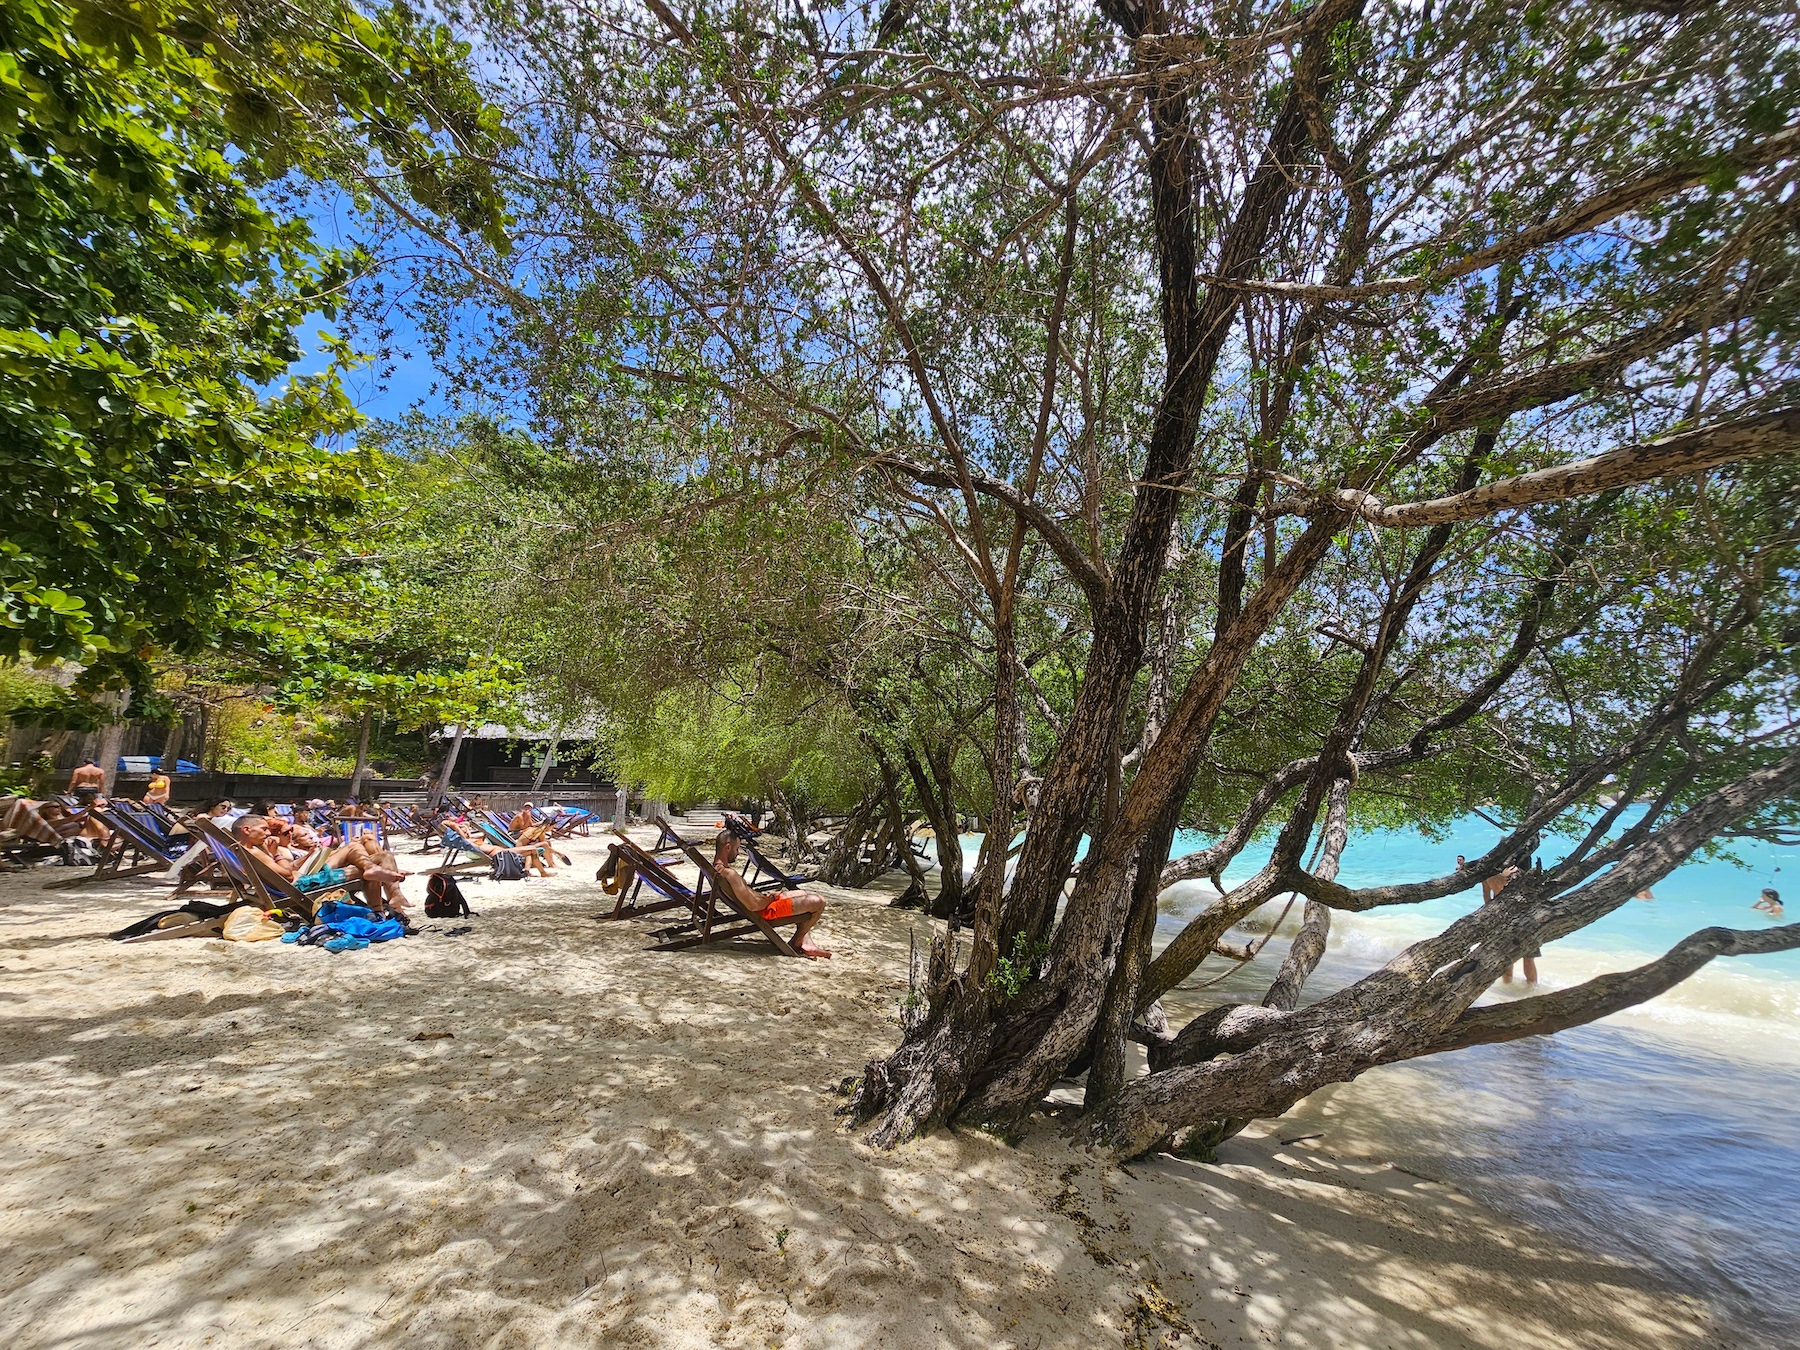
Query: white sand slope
[{"x": 214, "y": 1144}]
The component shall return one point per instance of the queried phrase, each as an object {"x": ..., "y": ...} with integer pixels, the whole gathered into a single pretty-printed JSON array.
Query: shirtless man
[
  {"x": 528, "y": 829},
  {"x": 804, "y": 904},
  {"x": 87, "y": 780},
  {"x": 360, "y": 859}
]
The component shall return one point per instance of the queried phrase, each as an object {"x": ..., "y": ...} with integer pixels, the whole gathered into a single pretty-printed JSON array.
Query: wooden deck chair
[
  {"x": 452, "y": 843},
  {"x": 769, "y": 877},
  {"x": 233, "y": 864},
  {"x": 26, "y": 834},
  {"x": 160, "y": 812},
  {"x": 400, "y": 820},
  {"x": 667, "y": 841},
  {"x": 651, "y": 871},
  {"x": 734, "y": 922},
  {"x": 347, "y": 827},
  {"x": 564, "y": 824},
  {"x": 260, "y": 884},
  {"x": 129, "y": 836},
  {"x": 499, "y": 834}
]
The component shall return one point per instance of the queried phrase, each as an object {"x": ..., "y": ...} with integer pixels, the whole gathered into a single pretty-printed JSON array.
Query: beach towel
[
  {"x": 193, "y": 911},
  {"x": 20, "y": 816},
  {"x": 356, "y": 921}
]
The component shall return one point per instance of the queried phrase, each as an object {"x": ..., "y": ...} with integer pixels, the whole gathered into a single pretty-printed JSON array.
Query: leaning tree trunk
[
  {"x": 913, "y": 897},
  {"x": 112, "y": 737},
  {"x": 171, "y": 746},
  {"x": 549, "y": 759},
  {"x": 937, "y": 795},
  {"x": 361, "y": 770},
  {"x": 442, "y": 788},
  {"x": 963, "y": 1061},
  {"x": 856, "y": 872},
  {"x": 844, "y": 853}
]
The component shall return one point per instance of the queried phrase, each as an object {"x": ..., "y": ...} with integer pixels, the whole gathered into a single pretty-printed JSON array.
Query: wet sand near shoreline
[{"x": 217, "y": 1144}]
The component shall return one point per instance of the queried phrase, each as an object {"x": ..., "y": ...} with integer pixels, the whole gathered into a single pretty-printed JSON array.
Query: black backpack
[
  {"x": 508, "y": 867},
  {"x": 444, "y": 899}
]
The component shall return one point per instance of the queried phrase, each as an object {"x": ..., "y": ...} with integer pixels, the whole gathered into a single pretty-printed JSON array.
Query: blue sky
[{"x": 414, "y": 380}]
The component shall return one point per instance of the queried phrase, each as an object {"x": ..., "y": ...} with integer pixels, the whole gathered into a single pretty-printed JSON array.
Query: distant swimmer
[
  {"x": 1644, "y": 894},
  {"x": 1770, "y": 903}
]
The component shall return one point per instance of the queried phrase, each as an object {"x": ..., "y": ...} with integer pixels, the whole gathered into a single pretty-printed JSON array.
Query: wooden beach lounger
[
  {"x": 500, "y": 834},
  {"x": 130, "y": 835},
  {"x": 253, "y": 881},
  {"x": 764, "y": 875},
  {"x": 734, "y": 922},
  {"x": 653, "y": 872},
  {"x": 769, "y": 877}
]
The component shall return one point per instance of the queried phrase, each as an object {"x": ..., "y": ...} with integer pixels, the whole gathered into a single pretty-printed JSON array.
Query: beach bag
[
  {"x": 325, "y": 876},
  {"x": 444, "y": 899},
  {"x": 508, "y": 867}
]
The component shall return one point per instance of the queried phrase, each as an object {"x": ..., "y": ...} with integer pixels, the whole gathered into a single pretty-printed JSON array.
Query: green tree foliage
[{"x": 148, "y": 295}]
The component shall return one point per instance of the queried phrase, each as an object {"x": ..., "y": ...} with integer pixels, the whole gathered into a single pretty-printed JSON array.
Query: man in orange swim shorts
[{"x": 789, "y": 904}]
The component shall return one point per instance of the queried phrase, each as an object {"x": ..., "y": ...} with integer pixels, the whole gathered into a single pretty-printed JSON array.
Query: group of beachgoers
[{"x": 313, "y": 843}]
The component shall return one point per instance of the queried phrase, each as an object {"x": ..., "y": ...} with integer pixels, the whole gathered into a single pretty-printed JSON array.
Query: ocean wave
[{"x": 1731, "y": 1005}]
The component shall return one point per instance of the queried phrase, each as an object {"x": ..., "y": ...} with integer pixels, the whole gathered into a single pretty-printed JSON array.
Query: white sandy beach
[{"x": 216, "y": 1144}]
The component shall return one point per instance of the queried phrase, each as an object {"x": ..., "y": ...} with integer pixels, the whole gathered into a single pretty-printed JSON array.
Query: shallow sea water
[{"x": 1668, "y": 1134}]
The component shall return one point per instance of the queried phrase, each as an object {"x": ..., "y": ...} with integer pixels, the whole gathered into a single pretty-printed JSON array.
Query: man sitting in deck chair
[
  {"x": 468, "y": 837},
  {"x": 360, "y": 859},
  {"x": 804, "y": 905}
]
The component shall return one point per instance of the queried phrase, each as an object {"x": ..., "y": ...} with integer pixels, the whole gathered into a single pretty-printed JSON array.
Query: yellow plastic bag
[{"x": 247, "y": 923}]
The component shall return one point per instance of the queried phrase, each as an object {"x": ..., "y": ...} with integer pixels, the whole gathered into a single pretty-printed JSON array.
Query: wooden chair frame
[{"x": 735, "y": 923}]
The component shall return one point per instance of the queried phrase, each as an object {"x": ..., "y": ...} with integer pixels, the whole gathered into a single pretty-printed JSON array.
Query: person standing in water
[
  {"x": 1770, "y": 903},
  {"x": 1490, "y": 889}
]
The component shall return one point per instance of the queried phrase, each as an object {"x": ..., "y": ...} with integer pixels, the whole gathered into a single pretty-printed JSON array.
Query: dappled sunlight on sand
[{"x": 619, "y": 1147}]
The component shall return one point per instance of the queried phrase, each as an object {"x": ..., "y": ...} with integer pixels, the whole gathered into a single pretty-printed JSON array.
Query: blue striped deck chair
[
  {"x": 348, "y": 827},
  {"x": 253, "y": 880},
  {"x": 451, "y": 841},
  {"x": 499, "y": 834},
  {"x": 670, "y": 891},
  {"x": 129, "y": 836}
]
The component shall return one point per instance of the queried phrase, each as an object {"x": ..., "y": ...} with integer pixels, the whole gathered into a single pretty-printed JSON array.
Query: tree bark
[
  {"x": 442, "y": 789},
  {"x": 1688, "y": 452},
  {"x": 914, "y": 896},
  {"x": 549, "y": 758},
  {"x": 112, "y": 737},
  {"x": 937, "y": 795},
  {"x": 171, "y": 746},
  {"x": 1057, "y": 1023},
  {"x": 1415, "y": 1004},
  {"x": 362, "y": 756},
  {"x": 844, "y": 853}
]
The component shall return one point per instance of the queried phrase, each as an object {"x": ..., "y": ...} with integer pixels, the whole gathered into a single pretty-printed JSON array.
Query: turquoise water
[
  {"x": 1695, "y": 896},
  {"x": 1668, "y": 1134}
]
